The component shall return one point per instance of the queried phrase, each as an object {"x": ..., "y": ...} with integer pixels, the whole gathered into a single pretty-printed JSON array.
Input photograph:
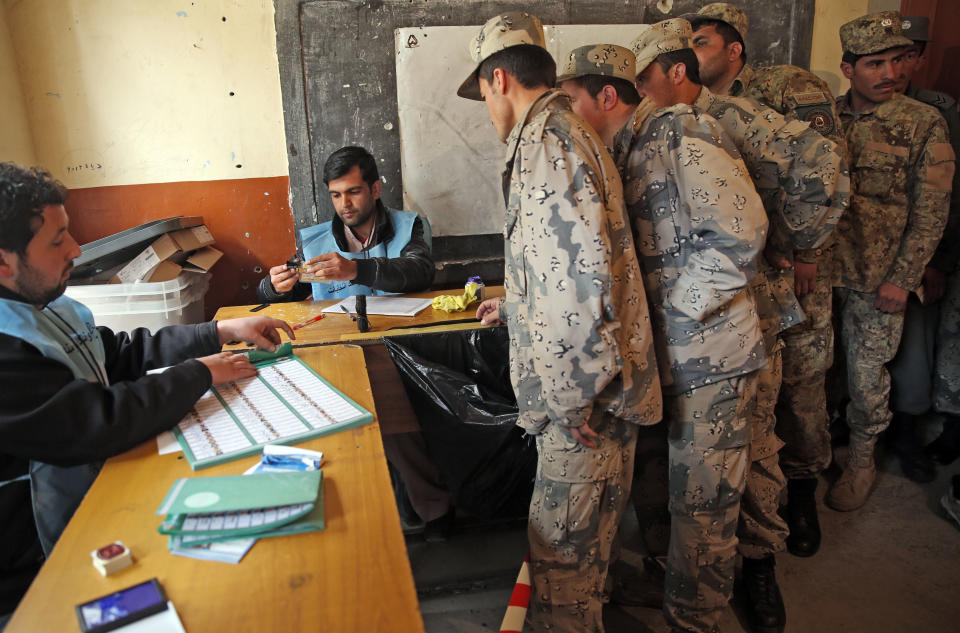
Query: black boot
[
  {"x": 916, "y": 464},
  {"x": 764, "y": 604},
  {"x": 800, "y": 514},
  {"x": 946, "y": 448}
]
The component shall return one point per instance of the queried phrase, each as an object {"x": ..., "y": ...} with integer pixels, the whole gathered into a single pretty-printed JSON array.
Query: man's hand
[
  {"x": 260, "y": 331},
  {"x": 890, "y": 298},
  {"x": 775, "y": 259},
  {"x": 934, "y": 285},
  {"x": 333, "y": 267},
  {"x": 226, "y": 367},
  {"x": 804, "y": 277},
  {"x": 489, "y": 311},
  {"x": 584, "y": 435},
  {"x": 283, "y": 279}
]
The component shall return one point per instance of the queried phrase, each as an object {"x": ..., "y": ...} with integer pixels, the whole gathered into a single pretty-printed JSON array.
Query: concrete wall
[
  {"x": 154, "y": 109},
  {"x": 16, "y": 143}
]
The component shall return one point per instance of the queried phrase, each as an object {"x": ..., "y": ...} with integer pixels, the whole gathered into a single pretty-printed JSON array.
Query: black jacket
[
  {"x": 410, "y": 272},
  {"x": 48, "y": 415}
]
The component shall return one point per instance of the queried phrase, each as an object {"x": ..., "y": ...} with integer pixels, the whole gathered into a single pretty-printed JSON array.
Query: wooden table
[
  {"x": 352, "y": 576},
  {"x": 338, "y": 328}
]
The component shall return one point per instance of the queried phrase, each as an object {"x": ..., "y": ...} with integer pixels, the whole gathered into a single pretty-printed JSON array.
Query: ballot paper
[
  {"x": 286, "y": 402},
  {"x": 385, "y": 306}
]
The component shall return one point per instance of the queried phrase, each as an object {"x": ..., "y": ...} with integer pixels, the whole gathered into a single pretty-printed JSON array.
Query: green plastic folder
[
  {"x": 210, "y": 509},
  {"x": 207, "y": 495}
]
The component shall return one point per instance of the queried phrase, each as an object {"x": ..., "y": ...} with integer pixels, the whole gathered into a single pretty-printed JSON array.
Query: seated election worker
[
  {"x": 71, "y": 393},
  {"x": 366, "y": 249}
]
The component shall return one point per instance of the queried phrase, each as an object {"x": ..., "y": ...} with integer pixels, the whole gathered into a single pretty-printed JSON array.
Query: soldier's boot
[
  {"x": 643, "y": 589},
  {"x": 765, "y": 609},
  {"x": 916, "y": 464},
  {"x": 854, "y": 486},
  {"x": 800, "y": 514},
  {"x": 946, "y": 448}
]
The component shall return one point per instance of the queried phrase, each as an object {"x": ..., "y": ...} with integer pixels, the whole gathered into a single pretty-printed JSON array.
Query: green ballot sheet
[{"x": 285, "y": 403}]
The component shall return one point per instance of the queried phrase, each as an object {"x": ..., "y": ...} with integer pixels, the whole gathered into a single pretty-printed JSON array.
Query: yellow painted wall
[
  {"x": 16, "y": 143},
  {"x": 826, "y": 52},
  {"x": 131, "y": 92}
]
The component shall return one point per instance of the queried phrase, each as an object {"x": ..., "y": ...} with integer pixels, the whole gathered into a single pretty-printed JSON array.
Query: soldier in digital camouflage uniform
[
  {"x": 803, "y": 182},
  {"x": 698, "y": 226},
  {"x": 901, "y": 166},
  {"x": 581, "y": 353},
  {"x": 801, "y": 411},
  {"x": 912, "y": 370}
]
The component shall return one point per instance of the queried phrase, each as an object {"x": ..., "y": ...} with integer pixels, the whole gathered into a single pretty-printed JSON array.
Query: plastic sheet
[{"x": 459, "y": 386}]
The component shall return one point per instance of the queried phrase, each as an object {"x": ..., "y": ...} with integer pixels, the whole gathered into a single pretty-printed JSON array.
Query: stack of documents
[{"x": 237, "y": 509}]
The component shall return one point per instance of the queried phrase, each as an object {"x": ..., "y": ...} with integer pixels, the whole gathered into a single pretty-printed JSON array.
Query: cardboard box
[
  {"x": 192, "y": 239},
  {"x": 170, "y": 254},
  {"x": 162, "y": 249},
  {"x": 203, "y": 260}
]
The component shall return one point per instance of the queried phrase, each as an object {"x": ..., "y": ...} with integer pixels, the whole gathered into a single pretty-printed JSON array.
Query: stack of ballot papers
[{"x": 219, "y": 518}]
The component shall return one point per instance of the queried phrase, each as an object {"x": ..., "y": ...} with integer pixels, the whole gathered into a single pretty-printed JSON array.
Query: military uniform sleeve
[
  {"x": 930, "y": 180},
  {"x": 567, "y": 263},
  {"x": 725, "y": 222},
  {"x": 946, "y": 256}
]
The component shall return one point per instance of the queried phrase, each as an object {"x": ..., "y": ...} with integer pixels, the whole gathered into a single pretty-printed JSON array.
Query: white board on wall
[{"x": 451, "y": 158}]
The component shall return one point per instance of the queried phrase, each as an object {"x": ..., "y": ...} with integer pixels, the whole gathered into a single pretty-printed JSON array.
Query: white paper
[
  {"x": 167, "y": 443},
  {"x": 384, "y": 306}
]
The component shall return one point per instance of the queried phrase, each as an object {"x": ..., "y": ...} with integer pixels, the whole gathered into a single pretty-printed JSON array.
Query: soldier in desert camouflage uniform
[
  {"x": 720, "y": 28},
  {"x": 599, "y": 80},
  {"x": 902, "y": 168},
  {"x": 698, "y": 226},
  {"x": 581, "y": 354},
  {"x": 802, "y": 179},
  {"x": 912, "y": 370}
]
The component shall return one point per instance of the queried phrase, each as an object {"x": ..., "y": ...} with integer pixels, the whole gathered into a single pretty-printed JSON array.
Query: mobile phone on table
[{"x": 121, "y": 608}]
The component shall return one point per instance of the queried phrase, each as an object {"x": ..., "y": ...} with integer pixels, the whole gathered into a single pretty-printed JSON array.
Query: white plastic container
[{"x": 153, "y": 305}]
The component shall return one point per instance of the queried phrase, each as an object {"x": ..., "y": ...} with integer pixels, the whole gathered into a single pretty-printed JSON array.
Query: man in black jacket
[
  {"x": 73, "y": 394},
  {"x": 366, "y": 248}
]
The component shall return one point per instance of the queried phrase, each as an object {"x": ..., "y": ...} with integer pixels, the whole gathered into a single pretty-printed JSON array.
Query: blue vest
[
  {"x": 319, "y": 239},
  {"x": 63, "y": 331}
]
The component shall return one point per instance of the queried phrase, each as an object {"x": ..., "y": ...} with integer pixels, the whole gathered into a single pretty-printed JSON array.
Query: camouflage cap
[
  {"x": 606, "y": 60},
  {"x": 724, "y": 12},
  {"x": 916, "y": 28},
  {"x": 511, "y": 28},
  {"x": 663, "y": 37},
  {"x": 873, "y": 33}
]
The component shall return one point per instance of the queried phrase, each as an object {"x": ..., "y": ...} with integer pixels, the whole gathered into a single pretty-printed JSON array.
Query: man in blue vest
[
  {"x": 366, "y": 249},
  {"x": 369, "y": 248},
  {"x": 73, "y": 394}
]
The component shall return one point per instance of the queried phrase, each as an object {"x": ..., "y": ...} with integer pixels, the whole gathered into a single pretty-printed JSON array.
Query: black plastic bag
[{"x": 459, "y": 386}]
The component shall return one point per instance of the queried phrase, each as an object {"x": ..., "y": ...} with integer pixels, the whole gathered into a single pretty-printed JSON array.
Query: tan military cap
[
  {"x": 511, "y": 28},
  {"x": 724, "y": 12},
  {"x": 606, "y": 60},
  {"x": 873, "y": 33},
  {"x": 663, "y": 37},
  {"x": 916, "y": 28}
]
